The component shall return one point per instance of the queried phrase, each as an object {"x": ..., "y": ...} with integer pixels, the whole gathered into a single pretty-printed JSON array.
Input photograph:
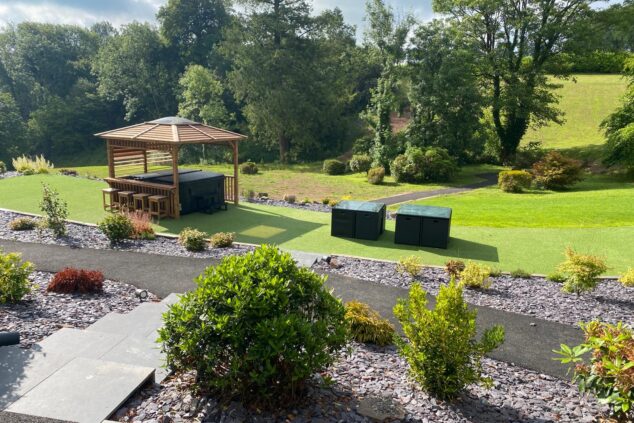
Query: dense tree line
[{"x": 298, "y": 83}]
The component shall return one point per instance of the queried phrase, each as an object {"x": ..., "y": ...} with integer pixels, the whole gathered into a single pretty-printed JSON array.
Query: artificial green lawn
[
  {"x": 532, "y": 249},
  {"x": 585, "y": 103}
]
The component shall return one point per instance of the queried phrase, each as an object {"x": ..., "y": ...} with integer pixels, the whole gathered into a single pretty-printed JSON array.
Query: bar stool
[
  {"x": 111, "y": 195},
  {"x": 126, "y": 200},
  {"x": 141, "y": 202},
  {"x": 158, "y": 206}
]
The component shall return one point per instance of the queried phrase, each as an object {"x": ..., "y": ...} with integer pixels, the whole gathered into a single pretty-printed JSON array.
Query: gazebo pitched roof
[{"x": 172, "y": 129}]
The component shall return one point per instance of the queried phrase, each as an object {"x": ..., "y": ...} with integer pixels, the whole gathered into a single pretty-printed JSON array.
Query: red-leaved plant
[
  {"x": 142, "y": 223},
  {"x": 71, "y": 280}
]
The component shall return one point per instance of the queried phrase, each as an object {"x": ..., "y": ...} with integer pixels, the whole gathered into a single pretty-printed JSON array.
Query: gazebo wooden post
[
  {"x": 236, "y": 193},
  {"x": 110, "y": 159},
  {"x": 176, "y": 200},
  {"x": 144, "y": 161}
]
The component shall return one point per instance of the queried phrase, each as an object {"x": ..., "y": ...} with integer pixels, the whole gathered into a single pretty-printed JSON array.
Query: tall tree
[
  {"x": 445, "y": 96},
  {"x": 12, "y": 128},
  {"x": 516, "y": 40},
  {"x": 619, "y": 127},
  {"x": 201, "y": 97}
]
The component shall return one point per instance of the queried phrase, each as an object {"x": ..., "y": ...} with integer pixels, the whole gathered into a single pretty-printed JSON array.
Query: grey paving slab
[
  {"x": 23, "y": 369},
  {"x": 171, "y": 299},
  {"x": 141, "y": 352},
  {"x": 78, "y": 343},
  {"x": 142, "y": 321},
  {"x": 83, "y": 391},
  {"x": 6, "y": 417},
  {"x": 305, "y": 259}
]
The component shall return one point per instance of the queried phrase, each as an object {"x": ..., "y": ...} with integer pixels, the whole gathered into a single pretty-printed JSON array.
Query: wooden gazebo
[{"x": 144, "y": 147}]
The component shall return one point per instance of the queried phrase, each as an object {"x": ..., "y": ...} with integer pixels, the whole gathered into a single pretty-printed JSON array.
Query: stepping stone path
[{"x": 84, "y": 376}]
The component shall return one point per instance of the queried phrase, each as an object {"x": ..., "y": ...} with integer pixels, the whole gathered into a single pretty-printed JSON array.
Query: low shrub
[
  {"x": 325, "y": 201},
  {"x": 608, "y": 373},
  {"x": 476, "y": 275},
  {"x": 193, "y": 239},
  {"x": 55, "y": 210},
  {"x": 514, "y": 180},
  {"x": 222, "y": 239},
  {"x": 116, "y": 227},
  {"x": 411, "y": 265},
  {"x": 556, "y": 277},
  {"x": 76, "y": 281},
  {"x": 29, "y": 166},
  {"x": 627, "y": 279},
  {"x": 556, "y": 171},
  {"x": 432, "y": 164},
  {"x": 306, "y": 200},
  {"x": 334, "y": 167},
  {"x": 290, "y": 198},
  {"x": 257, "y": 328},
  {"x": 142, "y": 224},
  {"x": 14, "y": 277},
  {"x": 367, "y": 326},
  {"x": 333, "y": 202},
  {"x": 376, "y": 175},
  {"x": 442, "y": 350},
  {"x": 454, "y": 267},
  {"x": 249, "y": 168},
  {"x": 22, "y": 224},
  {"x": 360, "y": 163},
  {"x": 581, "y": 271},
  {"x": 3, "y": 167},
  {"x": 68, "y": 172},
  {"x": 520, "y": 274}
]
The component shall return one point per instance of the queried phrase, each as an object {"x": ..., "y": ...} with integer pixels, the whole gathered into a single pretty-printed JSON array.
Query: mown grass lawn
[
  {"x": 585, "y": 103},
  {"x": 308, "y": 181},
  {"x": 508, "y": 248}
]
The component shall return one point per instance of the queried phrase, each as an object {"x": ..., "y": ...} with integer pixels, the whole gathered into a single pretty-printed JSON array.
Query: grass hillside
[{"x": 585, "y": 104}]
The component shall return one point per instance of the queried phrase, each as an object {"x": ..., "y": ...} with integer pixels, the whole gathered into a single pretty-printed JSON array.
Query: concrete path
[
  {"x": 529, "y": 341},
  {"x": 489, "y": 179}
]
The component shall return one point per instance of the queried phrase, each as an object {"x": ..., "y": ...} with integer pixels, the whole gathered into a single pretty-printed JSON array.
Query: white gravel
[
  {"x": 536, "y": 297},
  {"x": 378, "y": 374},
  {"x": 85, "y": 236},
  {"x": 42, "y": 313}
]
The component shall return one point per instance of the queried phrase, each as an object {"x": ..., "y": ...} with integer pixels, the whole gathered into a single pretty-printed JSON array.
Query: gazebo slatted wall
[{"x": 153, "y": 145}]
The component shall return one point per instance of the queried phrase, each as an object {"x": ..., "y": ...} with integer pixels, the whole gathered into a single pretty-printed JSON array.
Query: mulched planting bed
[
  {"x": 42, "y": 313},
  {"x": 610, "y": 302},
  {"x": 378, "y": 377},
  {"x": 85, "y": 236}
]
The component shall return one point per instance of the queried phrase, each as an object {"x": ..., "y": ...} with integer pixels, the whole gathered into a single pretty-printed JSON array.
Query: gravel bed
[
  {"x": 7, "y": 175},
  {"x": 318, "y": 207},
  {"x": 42, "y": 313},
  {"x": 378, "y": 377},
  {"x": 85, "y": 236},
  {"x": 536, "y": 297}
]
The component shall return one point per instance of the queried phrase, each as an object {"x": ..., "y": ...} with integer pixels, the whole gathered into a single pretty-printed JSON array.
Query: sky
[{"x": 87, "y": 12}]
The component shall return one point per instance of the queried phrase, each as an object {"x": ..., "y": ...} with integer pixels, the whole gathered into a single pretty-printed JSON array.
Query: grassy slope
[
  {"x": 585, "y": 104},
  {"x": 598, "y": 201},
  {"x": 308, "y": 181},
  {"x": 535, "y": 250}
]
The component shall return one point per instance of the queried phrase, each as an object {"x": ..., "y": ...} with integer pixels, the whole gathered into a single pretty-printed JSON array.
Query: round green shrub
[
  {"x": 432, "y": 164},
  {"x": 581, "y": 271},
  {"x": 249, "y": 168},
  {"x": 117, "y": 227},
  {"x": 222, "y": 239},
  {"x": 193, "y": 239},
  {"x": 557, "y": 172},
  {"x": 334, "y": 167},
  {"x": 22, "y": 224},
  {"x": 376, "y": 175},
  {"x": 360, "y": 163},
  {"x": 14, "y": 277},
  {"x": 3, "y": 167},
  {"x": 514, "y": 180},
  {"x": 367, "y": 325},
  {"x": 257, "y": 327}
]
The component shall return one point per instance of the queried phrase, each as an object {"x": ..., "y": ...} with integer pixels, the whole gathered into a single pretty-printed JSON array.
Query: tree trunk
[
  {"x": 514, "y": 132},
  {"x": 285, "y": 146}
]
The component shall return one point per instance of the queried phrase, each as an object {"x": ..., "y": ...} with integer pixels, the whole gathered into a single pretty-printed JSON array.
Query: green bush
[
  {"x": 360, "y": 163},
  {"x": 454, "y": 268},
  {"x": 22, "y": 224},
  {"x": 520, "y": 274},
  {"x": 55, "y": 210},
  {"x": 249, "y": 168},
  {"x": 3, "y": 167},
  {"x": 581, "y": 271},
  {"x": 334, "y": 167},
  {"x": 442, "y": 351},
  {"x": 117, "y": 227},
  {"x": 556, "y": 277},
  {"x": 609, "y": 373},
  {"x": 325, "y": 201},
  {"x": 514, "y": 180},
  {"x": 476, "y": 275},
  {"x": 557, "y": 172},
  {"x": 193, "y": 239},
  {"x": 432, "y": 164},
  {"x": 257, "y": 327},
  {"x": 14, "y": 277},
  {"x": 367, "y": 326},
  {"x": 627, "y": 279},
  {"x": 411, "y": 265},
  {"x": 376, "y": 175},
  {"x": 363, "y": 144},
  {"x": 222, "y": 239}
]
